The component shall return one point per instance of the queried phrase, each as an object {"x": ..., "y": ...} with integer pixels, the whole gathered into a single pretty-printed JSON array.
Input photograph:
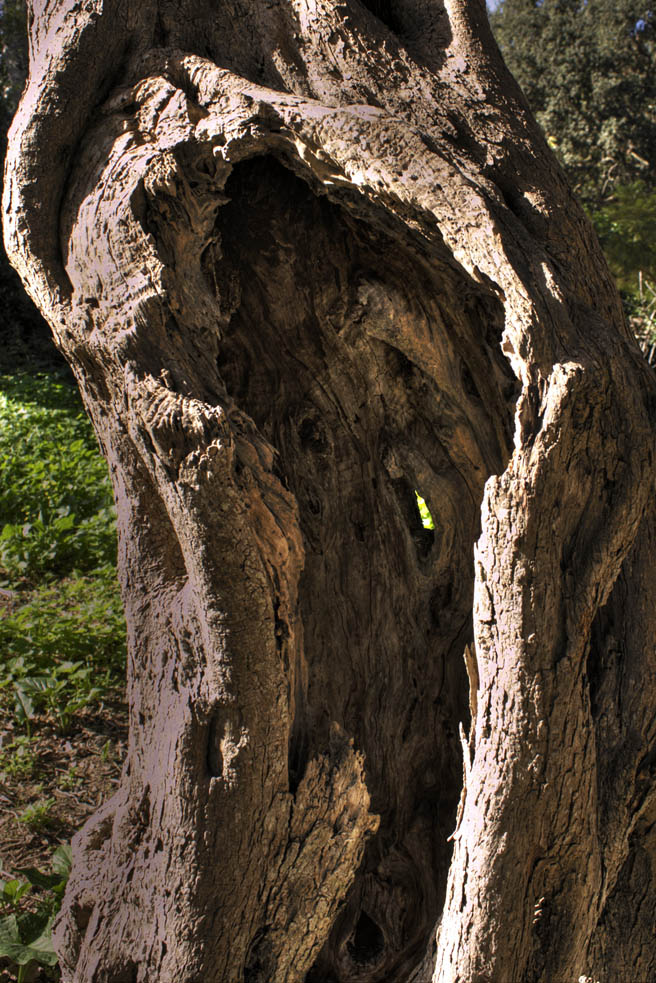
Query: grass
[{"x": 62, "y": 635}]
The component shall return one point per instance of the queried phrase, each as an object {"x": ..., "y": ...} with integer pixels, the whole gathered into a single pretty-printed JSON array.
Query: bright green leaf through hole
[{"x": 426, "y": 517}]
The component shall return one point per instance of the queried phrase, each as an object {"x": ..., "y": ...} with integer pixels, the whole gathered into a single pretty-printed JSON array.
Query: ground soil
[{"x": 79, "y": 770}]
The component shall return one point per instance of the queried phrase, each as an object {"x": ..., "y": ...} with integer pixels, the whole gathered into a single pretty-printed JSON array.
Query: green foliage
[
  {"x": 63, "y": 638},
  {"x": 588, "y": 70},
  {"x": 78, "y": 619},
  {"x": 12, "y": 891},
  {"x": 36, "y": 815},
  {"x": 13, "y": 56},
  {"x": 626, "y": 226},
  {"x": 66, "y": 689},
  {"x": 26, "y": 936},
  {"x": 55, "y": 883},
  {"x": 70, "y": 779},
  {"x": 65, "y": 648},
  {"x": 426, "y": 517},
  {"x": 640, "y": 307},
  {"x": 56, "y": 511},
  {"x": 17, "y": 759}
]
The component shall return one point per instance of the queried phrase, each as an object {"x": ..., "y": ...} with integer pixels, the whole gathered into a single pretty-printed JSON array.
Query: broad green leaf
[
  {"x": 24, "y": 703},
  {"x": 34, "y": 684},
  {"x": 62, "y": 860},
  {"x": 38, "y": 879},
  {"x": 36, "y": 934},
  {"x": 12, "y": 891},
  {"x": 28, "y": 937},
  {"x": 9, "y": 935}
]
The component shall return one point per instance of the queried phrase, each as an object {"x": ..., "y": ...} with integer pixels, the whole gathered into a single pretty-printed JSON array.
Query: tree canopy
[
  {"x": 587, "y": 68},
  {"x": 13, "y": 58}
]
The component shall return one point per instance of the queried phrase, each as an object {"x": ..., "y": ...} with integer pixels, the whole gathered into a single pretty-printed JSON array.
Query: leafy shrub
[
  {"x": 66, "y": 689},
  {"x": 626, "y": 226}
]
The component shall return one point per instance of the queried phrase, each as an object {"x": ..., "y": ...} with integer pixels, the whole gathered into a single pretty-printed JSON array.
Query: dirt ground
[{"x": 73, "y": 774}]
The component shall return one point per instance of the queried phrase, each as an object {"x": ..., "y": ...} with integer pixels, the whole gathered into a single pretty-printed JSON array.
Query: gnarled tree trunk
[{"x": 306, "y": 258}]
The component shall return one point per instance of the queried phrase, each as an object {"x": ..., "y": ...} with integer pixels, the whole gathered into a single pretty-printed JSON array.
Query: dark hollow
[{"x": 346, "y": 346}]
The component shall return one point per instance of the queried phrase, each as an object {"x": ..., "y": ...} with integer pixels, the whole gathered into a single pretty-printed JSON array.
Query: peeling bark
[{"x": 306, "y": 260}]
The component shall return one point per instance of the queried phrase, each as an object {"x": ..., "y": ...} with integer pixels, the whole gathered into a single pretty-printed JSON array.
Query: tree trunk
[{"x": 307, "y": 259}]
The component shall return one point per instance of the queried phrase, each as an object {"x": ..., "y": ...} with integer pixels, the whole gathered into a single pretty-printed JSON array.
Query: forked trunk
[{"x": 307, "y": 260}]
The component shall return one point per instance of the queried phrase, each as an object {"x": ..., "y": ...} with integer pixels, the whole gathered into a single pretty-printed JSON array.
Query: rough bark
[{"x": 306, "y": 258}]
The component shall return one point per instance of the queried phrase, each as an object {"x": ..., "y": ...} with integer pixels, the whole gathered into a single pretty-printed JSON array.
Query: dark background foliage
[{"x": 588, "y": 70}]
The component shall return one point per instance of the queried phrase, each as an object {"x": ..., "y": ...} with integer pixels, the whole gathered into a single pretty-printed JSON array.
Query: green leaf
[
  {"x": 36, "y": 934},
  {"x": 24, "y": 703},
  {"x": 34, "y": 684},
  {"x": 9, "y": 935},
  {"x": 12, "y": 891},
  {"x": 69, "y": 666},
  {"x": 62, "y": 860},
  {"x": 28, "y": 937},
  {"x": 38, "y": 879},
  {"x": 426, "y": 517}
]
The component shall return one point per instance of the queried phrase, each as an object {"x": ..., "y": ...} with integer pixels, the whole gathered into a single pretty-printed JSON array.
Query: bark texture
[{"x": 307, "y": 257}]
